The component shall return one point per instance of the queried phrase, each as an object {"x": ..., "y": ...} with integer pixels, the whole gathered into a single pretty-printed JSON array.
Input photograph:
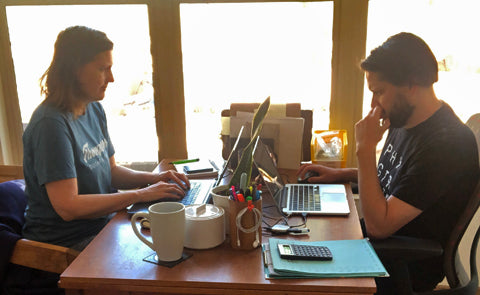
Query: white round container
[
  {"x": 221, "y": 201},
  {"x": 204, "y": 226}
]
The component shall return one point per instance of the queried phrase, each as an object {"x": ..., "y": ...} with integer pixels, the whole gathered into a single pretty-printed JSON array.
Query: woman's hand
[
  {"x": 162, "y": 190},
  {"x": 174, "y": 177}
]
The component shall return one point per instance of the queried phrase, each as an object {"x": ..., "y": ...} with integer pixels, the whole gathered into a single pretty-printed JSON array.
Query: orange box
[{"x": 329, "y": 148}]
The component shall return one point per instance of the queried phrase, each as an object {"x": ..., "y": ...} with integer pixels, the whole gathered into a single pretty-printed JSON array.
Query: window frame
[{"x": 349, "y": 42}]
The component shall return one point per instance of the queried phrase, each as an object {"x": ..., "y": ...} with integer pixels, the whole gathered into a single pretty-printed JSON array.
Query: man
[{"x": 429, "y": 164}]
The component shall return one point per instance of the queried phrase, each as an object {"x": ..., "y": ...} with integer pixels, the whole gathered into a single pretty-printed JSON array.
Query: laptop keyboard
[
  {"x": 191, "y": 194},
  {"x": 305, "y": 198}
]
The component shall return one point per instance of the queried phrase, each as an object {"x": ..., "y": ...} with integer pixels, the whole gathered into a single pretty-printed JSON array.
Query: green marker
[{"x": 185, "y": 161}]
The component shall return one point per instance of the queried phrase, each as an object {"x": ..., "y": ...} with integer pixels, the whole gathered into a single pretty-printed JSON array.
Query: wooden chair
[
  {"x": 27, "y": 253},
  {"x": 10, "y": 172}
]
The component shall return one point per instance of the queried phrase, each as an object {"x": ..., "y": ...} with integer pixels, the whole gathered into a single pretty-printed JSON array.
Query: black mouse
[{"x": 307, "y": 176}]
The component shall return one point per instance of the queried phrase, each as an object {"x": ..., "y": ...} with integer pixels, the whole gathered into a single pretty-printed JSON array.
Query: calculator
[{"x": 304, "y": 252}]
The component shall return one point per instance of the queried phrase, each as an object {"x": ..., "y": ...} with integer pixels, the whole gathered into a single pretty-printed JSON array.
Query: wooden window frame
[{"x": 349, "y": 42}]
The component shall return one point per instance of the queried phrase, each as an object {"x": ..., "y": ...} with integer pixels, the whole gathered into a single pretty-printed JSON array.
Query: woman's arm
[
  {"x": 71, "y": 205},
  {"x": 125, "y": 178}
]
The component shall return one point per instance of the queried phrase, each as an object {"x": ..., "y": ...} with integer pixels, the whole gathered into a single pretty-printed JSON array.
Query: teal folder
[{"x": 351, "y": 258}]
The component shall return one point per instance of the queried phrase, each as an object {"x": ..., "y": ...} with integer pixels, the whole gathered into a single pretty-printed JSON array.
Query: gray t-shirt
[{"x": 57, "y": 146}]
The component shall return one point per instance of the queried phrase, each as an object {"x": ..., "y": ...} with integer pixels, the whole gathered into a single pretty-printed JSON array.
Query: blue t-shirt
[{"x": 57, "y": 146}]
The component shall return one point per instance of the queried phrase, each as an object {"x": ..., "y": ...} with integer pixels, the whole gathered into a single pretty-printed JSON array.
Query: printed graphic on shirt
[
  {"x": 93, "y": 156},
  {"x": 388, "y": 166}
]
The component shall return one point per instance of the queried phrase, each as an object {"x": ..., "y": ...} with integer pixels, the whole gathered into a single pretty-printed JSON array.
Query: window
[
  {"x": 449, "y": 28},
  {"x": 245, "y": 52},
  {"x": 129, "y": 100},
  {"x": 438, "y": 23},
  {"x": 334, "y": 30}
]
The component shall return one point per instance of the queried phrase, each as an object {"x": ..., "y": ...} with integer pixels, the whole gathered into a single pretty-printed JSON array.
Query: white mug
[{"x": 167, "y": 227}]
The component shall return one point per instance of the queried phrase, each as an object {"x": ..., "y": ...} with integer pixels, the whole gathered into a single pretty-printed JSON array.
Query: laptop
[
  {"x": 318, "y": 199},
  {"x": 200, "y": 189},
  {"x": 199, "y": 193}
]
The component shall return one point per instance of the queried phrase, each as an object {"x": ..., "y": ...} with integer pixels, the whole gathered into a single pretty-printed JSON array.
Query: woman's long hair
[{"x": 75, "y": 47}]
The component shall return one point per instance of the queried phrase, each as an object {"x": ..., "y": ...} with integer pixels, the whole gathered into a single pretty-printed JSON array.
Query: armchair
[
  {"x": 406, "y": 249},
  {"x": 19, "y": 254}
]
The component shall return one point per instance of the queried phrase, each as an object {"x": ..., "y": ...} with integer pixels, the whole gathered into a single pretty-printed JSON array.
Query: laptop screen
[
  {"x": 265, "y": 163},
  {"x": 229, "y": 160}
]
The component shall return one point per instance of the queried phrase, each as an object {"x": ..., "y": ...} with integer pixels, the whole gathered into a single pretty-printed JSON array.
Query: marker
[
  {"x": 234, "y": 193},
  {"x": 240, "y": 198},
  {"x": 257, "y": 195},
  {"x": 243, "y": 181},
  {"x": 185, "y": 161}
]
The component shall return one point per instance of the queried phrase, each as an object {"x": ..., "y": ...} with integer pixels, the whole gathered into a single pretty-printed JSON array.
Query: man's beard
[{"x": 401, "y": 111}]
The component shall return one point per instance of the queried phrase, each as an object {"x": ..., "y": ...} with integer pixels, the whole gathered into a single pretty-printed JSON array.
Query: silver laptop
[
  {"x": 200, "y": 189},
  {"x": 199, "y": 193},
  {"x": 326, "y": 199}
]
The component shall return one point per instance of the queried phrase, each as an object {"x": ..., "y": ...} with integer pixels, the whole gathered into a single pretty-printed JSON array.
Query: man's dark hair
[{"x": 404, "y": 59}]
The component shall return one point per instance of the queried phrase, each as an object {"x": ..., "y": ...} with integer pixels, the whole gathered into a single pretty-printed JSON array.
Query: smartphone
[
  {"x": 304, "y": 252},
  {"x": 191, "y": 169}
]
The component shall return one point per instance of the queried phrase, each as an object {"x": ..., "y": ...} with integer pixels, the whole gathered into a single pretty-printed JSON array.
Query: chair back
[
  {"x": 453, "y": 271},
  {"x": 10, "y": 172},
  {"x": 291, "y": 109},
  {"x": 474, "y": 124},
  {"x": 472, "y": 287}
]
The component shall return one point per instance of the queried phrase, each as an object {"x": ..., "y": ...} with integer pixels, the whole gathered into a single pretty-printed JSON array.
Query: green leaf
[
  {"x": 258, "y": 118},
  {"x": 246, "y": 160}
]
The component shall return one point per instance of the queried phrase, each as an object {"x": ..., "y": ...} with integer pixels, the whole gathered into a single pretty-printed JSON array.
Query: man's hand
[
  {"x": 327, "y": 174},
  {"x": 369, "y": 130}
]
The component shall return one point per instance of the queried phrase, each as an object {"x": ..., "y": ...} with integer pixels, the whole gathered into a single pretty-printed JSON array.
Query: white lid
[{"x": 203, "y": 212}]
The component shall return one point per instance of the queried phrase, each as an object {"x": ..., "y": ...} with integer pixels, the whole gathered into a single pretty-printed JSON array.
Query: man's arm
[
  {"x": 327, "y": 174},
  {"x": 382, "y": 216}
]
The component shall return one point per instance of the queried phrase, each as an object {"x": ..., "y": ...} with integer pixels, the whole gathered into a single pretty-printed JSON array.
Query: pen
[
  {"x": 185, "y": 161},
  {"x": 213, "y": 164},
  {"x": 234, "y": 193}
]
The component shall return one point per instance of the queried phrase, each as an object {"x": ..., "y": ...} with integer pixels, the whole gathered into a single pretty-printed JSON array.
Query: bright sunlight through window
[
  {"x": 129, "y": 100},
  {"x": 244, "y": 52}
]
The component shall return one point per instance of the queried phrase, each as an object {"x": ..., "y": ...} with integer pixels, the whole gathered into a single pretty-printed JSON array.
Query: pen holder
[{"x": 245, "y": 225}]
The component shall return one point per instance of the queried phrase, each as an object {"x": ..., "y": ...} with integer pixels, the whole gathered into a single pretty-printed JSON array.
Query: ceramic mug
[{"x": 167, "y": 228}]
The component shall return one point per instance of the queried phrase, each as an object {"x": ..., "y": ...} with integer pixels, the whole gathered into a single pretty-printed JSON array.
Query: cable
[
  {"x": 304, "y": 217},
  {"x": 254, "y": 228}
]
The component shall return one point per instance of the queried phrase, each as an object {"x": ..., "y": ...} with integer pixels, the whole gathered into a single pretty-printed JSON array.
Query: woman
[{"x": 69, "y": 163}]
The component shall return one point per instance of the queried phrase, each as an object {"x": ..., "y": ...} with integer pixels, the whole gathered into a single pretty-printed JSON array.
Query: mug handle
[{"x": 135, "y": 228}]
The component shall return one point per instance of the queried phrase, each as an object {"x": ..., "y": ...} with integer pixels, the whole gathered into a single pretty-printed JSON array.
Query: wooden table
[{"x": 113, "y": 264}]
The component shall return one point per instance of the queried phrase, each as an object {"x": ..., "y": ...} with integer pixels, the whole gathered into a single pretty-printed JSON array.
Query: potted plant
[
  {"x": 244, "y": 167},
  {"x": 246, "y": 161}
]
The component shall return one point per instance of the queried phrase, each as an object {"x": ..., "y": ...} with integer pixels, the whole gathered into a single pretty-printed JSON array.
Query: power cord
[
  {"x": 254, "y": 228},
  {"x": 282, "y": 229}
]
